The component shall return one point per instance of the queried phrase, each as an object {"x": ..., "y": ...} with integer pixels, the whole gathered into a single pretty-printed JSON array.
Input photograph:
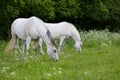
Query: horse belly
[
  {"x": 34, "y": 34},
  {"x": 59, "y": 33}
]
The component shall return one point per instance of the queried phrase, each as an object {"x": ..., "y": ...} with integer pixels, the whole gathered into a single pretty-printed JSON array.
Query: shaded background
[{"x": 84, "y": 14}]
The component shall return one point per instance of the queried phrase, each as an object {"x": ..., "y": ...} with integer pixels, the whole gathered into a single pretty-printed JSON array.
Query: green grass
[{"x": 99, "y": 60}]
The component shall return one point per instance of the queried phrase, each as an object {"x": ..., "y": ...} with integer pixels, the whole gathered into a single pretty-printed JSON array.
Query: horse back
[{"x": 23, "y": 27}]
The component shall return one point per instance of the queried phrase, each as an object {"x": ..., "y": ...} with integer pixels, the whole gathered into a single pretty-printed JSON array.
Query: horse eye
[{"x": 54, "y": 51}]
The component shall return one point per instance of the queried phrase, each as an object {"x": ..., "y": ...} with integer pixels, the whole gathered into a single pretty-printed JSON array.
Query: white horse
[
  {"x": 63, "y": 30},
  {"x": 33, "y": 28}
]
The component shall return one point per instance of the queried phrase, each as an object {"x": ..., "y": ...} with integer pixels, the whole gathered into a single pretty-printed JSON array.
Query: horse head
[
  {"x": 51, "y": 48},
  {"x": 78, "y": 46}
]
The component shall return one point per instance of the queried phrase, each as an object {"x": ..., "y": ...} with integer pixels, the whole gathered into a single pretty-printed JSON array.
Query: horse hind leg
[
  {"x": 15, "y": 43},
  {"x": 15, "y": 46},
  {"x": 36, "y": 46}
]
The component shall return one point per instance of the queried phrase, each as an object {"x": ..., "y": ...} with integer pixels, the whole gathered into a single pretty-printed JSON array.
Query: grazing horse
[
  {"x": 63, "y": 30},
  {"x": 33, "y": 28}
]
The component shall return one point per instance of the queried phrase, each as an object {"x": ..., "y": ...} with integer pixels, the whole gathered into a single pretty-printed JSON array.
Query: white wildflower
[
  {"x": 4, "y": 69},
  {"x": 65, "y": 56},
  {"x": 12, "y": 73},
  {"x": 54, "y": 73},
  {"x": 32, "y": 57},
  {"x": 53, "y": 68},
  {"x": 48, "y": 74},
  {"x": 60, "y": 72},
  {"x": 60, "y": 68},
  {"x": 17, "y": 59},
  {"x": 26, "y": 78},
  {"x": 3, "y": 63},
  {"x": 86, "y": 73},
  {"x": 8, "y": 76}
]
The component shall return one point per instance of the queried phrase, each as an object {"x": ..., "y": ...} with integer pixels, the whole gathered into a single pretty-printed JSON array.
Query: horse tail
[{"x": 10, "y": 44}]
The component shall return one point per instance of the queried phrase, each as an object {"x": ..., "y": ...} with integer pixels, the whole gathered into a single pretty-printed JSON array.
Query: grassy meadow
[{"x": 99, "y": 60}]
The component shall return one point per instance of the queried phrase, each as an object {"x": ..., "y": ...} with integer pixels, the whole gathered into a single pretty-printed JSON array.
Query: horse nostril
[{"x": 54, "y": 51}]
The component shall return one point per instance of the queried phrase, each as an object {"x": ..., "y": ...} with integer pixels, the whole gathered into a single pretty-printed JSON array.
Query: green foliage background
[{"x": 85, "y": 14}]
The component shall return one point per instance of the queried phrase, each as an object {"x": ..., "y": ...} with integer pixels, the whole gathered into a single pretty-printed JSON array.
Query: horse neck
[
  {"x": 75, "y": 35},
  {"x": 49, "y": 39}
]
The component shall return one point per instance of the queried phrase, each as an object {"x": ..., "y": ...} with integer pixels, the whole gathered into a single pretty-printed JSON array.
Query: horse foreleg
[
  {"x": 62, "y": 39},
  {"x": 40, "y": 43},
  {"x": 36, "y": 46},
  {"x": 27, "y": 45},
  {"x": 22, "y": 47}
]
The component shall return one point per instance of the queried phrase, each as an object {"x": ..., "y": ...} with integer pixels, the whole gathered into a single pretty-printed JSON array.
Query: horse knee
[
  {"x": 35, "y": 49},
  {"x": 15, "y": 48},
  {"x": 27, "y": 50}
]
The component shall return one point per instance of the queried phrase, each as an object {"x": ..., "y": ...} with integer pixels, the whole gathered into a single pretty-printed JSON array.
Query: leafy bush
[{"x": 88, "y": 14}]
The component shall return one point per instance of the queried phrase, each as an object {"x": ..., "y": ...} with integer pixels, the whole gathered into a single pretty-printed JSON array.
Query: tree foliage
[{"x": 85, "y": 14}]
